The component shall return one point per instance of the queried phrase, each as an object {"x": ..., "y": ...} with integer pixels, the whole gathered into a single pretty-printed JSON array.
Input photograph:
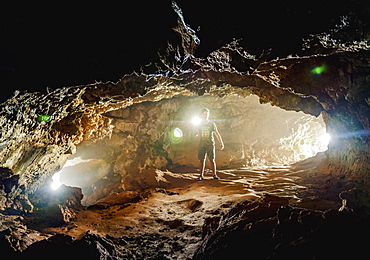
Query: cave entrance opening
[{"x": 160, "y": 135}]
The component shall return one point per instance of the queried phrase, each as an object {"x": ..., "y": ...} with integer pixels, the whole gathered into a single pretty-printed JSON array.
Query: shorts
[{"x": 206, "y": 150}]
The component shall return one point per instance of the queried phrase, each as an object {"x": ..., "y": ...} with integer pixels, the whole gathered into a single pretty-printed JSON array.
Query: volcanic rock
[
  {"x": 270, "y": 229},
  {"x": 90, "y": 246},
  {"x": 55, "y": 208},
  {"x": 323, "y": 70}
]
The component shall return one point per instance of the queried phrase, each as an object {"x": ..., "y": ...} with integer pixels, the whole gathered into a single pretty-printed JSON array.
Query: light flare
[
  {"x": 306, "y": 141},
  {"x": 177, "y": 132},
  {"x": 324, "y": 141},
  {"x": 176, "y": 135},
  {"x": 196, "y": 120},
  {"x": 318, "y": 70},
  {"x": 56, "y": 183}
]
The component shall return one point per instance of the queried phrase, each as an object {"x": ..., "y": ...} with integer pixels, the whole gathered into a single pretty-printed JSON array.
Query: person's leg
[
  {"x": 212, "y": 157},
  {"x": 202, "y": 161},
  {"x": 213, "y": 168},
  {"x": 202, "y": 164}
]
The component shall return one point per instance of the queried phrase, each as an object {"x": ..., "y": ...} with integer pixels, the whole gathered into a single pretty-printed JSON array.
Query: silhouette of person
[{"x": 206, "y": 131}]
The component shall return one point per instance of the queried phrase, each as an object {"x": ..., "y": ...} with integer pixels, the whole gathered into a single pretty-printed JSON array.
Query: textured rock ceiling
[
  {"x": 328, "y": 75},
  {"x": 308, "y": 56}
]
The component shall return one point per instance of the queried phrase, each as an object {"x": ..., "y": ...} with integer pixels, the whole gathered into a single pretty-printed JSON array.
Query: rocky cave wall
[
  {"x": 326, "y": 77},
  {"x": 143, "y": 141},
  {"x": 342, "y": 91},
  {"x": 33, "y": 150},
  {"x": 117, "y": 132}
]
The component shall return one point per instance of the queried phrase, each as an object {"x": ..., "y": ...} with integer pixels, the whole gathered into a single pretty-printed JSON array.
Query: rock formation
[
  {"x": 144, "y": 140},
  {"x": 255, "y": 230},
  {"x": 40, "y": 131},
  {"x": 33, "y": 150}
]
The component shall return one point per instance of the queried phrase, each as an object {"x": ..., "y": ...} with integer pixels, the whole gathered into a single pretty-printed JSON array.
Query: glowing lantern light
[{"x": 318, "y": 70}]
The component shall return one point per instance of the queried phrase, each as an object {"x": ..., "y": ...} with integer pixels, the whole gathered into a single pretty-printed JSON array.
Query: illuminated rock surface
[{"x": 139, "y": 181}]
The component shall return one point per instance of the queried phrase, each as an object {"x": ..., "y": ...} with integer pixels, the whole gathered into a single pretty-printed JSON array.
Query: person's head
[{"x": 204, "y": 114}]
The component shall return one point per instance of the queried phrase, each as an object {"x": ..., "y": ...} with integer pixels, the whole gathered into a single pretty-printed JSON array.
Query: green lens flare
[
  {"x": 318, "y": 70},
  {"x": 176, "y": 135},
  {"x": 43, "y": 118}
]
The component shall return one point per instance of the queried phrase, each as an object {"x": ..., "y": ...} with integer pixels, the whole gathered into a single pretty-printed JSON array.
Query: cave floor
[{"x": 170, "y": 220}]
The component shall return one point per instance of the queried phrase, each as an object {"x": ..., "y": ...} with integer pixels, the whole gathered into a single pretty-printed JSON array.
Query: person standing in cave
[{"x": 206, "y": 129}]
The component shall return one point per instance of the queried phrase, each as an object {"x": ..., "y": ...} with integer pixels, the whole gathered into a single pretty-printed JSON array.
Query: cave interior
[
  {"x": 109, "y": 169},
  {"x": 160, "y": 135}
]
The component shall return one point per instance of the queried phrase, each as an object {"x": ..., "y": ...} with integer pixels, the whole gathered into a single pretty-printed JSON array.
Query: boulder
[
  {"x": 145, "y": 179},
  {"x": 55, "y": 208},
  {"x": 90, "y": 246},
  {"x": 271, "y": 229}
]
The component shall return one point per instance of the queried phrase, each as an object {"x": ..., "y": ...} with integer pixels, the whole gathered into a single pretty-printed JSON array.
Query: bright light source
[
  {"x": 56, "y": 177},
  {"x": 196, "y": 120},
  {"x": 56, "y": 181},
  {"x": 306, "y": 140},
  {"x": 324, "y": 140}
]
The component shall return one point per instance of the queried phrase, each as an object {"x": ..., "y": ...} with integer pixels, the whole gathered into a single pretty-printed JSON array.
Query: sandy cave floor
[{"x": 170, "y": 220}]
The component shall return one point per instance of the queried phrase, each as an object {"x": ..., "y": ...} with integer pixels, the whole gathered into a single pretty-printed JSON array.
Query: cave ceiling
[
  {"x": 64, "y": 44},
  {"x": 70, "y": 71},
  {"x": 179, "y": 48}
]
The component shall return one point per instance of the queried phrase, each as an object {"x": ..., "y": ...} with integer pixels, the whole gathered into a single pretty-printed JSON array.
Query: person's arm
[{"x": 219, "y": 139}]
